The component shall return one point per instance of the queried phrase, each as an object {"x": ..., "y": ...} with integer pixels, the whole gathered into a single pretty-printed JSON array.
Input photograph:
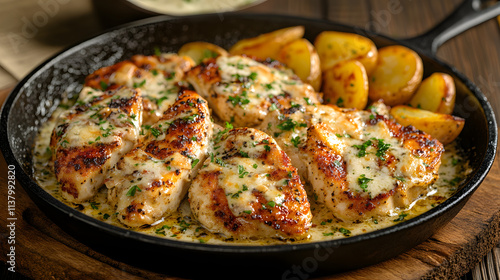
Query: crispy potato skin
[
  {"x": 346, "y": 85},
  {"x": 301, "y": 56},
  {"x": 334, "y": 47},
  {"x": 199, "y": 51},
  {"x": 443, "y": 127},
  {"x": 396, "y": 76},
  {"x": 435, "y": 94},
  {"x": 267, "y": 45}
]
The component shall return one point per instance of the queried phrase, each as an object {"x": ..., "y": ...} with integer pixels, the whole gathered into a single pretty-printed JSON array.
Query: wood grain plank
[
  {"x": 342, "y": 11},
  {"x": 402, "y": 19}
]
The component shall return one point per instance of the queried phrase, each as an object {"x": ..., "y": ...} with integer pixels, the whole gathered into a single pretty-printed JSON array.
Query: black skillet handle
[{"x": 467, "y": 15}]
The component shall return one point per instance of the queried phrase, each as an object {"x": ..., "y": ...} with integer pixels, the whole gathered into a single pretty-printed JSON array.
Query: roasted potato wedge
[
  {"x": 443, "y": 127},
  {"x": 334, "y": 47},
  {"x": 198, "y": 51},
  {"x": 346, "y": 85},
  {"x": 268, "y": 44},
  {"x": 436, "y": 94},
  {"x": 301, "y": 56},
  {"x": 397, "y": 75}
]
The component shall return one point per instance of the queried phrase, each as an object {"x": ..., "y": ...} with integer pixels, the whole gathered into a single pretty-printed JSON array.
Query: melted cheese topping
[{"x": 253, "y": 81}]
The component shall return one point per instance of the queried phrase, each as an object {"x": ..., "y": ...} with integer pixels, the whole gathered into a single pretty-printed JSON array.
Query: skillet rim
[{"x": 31, "y": 186}]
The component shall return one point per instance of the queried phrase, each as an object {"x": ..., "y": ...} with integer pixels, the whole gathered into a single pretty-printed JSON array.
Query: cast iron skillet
[{"x": 36, "y": 96}]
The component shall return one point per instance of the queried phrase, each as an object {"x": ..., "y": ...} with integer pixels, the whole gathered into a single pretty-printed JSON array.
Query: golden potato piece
[
  {"x": 443, "y": 127},
  {"x": 198, "y": 51},
  {"x": 334, "y": 47},
  {"x": 435, "y": 94},
  {"x": 268, "y": 44},
  {"x": 301, "y": 56},
  {"x": 397, "y": 75},
  {"x": 346, "y": 85}
]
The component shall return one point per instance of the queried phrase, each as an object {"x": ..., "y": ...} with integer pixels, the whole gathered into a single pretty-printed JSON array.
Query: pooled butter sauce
[{"x": 182, "y": 226}]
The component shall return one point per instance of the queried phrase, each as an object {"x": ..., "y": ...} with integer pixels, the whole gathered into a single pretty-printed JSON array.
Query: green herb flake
[
  {"x": 344, "y": 231},
  {"x": 104, "y": 85},
  {"x": 363, "y": 182},
  {"x": 401, "y": 217},
  {"x": 155, "y": 132},
  {"x": 194, "y": 163},
  {"x": 140, "y": 84},
  {"x": 132, "y": 190}
]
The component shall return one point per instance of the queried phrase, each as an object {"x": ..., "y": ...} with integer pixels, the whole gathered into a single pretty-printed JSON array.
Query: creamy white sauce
[
  {"x": 182, "y": 225},
  {"x": 189, "y": 7}
]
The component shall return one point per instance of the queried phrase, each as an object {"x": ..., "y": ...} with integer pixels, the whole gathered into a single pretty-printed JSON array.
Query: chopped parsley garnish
[
  {"x": 238, "y": 100},
  {"x": 363, "y": 182},
  {"x": 243, "y": 154},
  {"x": 290, "y": 124},
  {"x": 362, "y": 148},
  {"x": 400, "y": 178},
  {"x": 340, "y": 102},
  {"x": 105, "y": 216},
  {"x": 327, "y": 233},
  {"x": 219, "y": 134},
  {"x": 160, "y": 100},
  {"x": 103, "y": 85},
  {"x": 247, "y": 212},
  {"x": 268, "y": 149},
  {"x": 155, "y": 132},
  {"x": 255, "y": 165},
  {"x": 94, "y": 205},
  {"x": 241, "y": 171},
  {"x": 253, "y": 76},
  {"x": 308, "y": 101},
  {"x": 401, "y": 217},
  {"x": 273, "y": 107},
  {"x": 271, "y": 203},
  {"x": 138, "y": 85},
  {"x": 194, "y": 138},
  {"x": 190, "y": 118},
  {"x": 154, "y": 72},
  {"x": 193, "y": 164},
  {"x": 381, "y": 148},
  {"x": 220, "y": 162},
  {"x": 344, "y": 231},
  {"x": 133, "y": 189},
  {"x": 295, "y": 141},
  {"x": 161, "y": 230}
]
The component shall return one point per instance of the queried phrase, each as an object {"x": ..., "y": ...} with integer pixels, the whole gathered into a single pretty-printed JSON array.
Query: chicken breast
[
  {"x": 159, "y": 77},
  {"x": 242, "y": 91},
  {"x": 248, "y": 188},
  {"x": 151, "y": 180},
  {"x": 89, "y": 138},
  {"x": 359, "y": 163}
]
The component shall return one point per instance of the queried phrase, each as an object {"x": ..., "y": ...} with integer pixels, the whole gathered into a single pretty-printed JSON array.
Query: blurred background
[{"x": 32, "y": 31}]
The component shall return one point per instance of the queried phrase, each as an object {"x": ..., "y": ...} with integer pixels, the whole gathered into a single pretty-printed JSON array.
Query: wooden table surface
[{"x": 27, "y": 38}]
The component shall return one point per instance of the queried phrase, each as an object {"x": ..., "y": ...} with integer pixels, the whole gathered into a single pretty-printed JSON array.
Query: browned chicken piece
[
  {"x": 248, "y": 188},
  {"x": 242, "y": 91},
  {"x": 359, "y": 163},
  {"x": 158, "y": 76},
  {"x": 150, "y": 181},
  {"x": 90, "y": 137}
]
